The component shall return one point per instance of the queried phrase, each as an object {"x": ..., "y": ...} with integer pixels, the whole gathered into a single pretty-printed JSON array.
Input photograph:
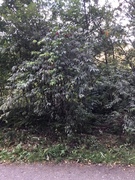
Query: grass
[{"x": 26, "y": 146}]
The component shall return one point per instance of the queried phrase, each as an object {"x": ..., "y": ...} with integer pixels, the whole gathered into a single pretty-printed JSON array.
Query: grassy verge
[{"x": 25, "y": 146}]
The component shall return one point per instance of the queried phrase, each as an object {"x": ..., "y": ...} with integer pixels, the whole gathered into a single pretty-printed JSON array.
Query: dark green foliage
[{"x": 69, "y": 70}]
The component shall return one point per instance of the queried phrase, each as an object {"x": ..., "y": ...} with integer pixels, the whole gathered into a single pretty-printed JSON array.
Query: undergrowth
[{"x": 27, "y": 146}]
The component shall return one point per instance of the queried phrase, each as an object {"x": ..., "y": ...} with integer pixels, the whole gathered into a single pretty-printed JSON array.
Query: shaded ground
[{"x": 65, "y": 172}]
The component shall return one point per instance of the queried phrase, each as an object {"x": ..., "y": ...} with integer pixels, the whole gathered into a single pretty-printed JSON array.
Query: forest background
[{"x": 67, "y": 68}]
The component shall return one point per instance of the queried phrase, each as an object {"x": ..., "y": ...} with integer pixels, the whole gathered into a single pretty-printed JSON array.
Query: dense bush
[{"x": 69, "y": 74}]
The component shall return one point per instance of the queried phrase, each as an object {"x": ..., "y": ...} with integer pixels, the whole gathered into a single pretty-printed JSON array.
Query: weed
[{"x": 22, "y": 145}]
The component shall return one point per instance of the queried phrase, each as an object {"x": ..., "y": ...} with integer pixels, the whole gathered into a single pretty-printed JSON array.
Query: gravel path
[{"x": 65, "y": 172}]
